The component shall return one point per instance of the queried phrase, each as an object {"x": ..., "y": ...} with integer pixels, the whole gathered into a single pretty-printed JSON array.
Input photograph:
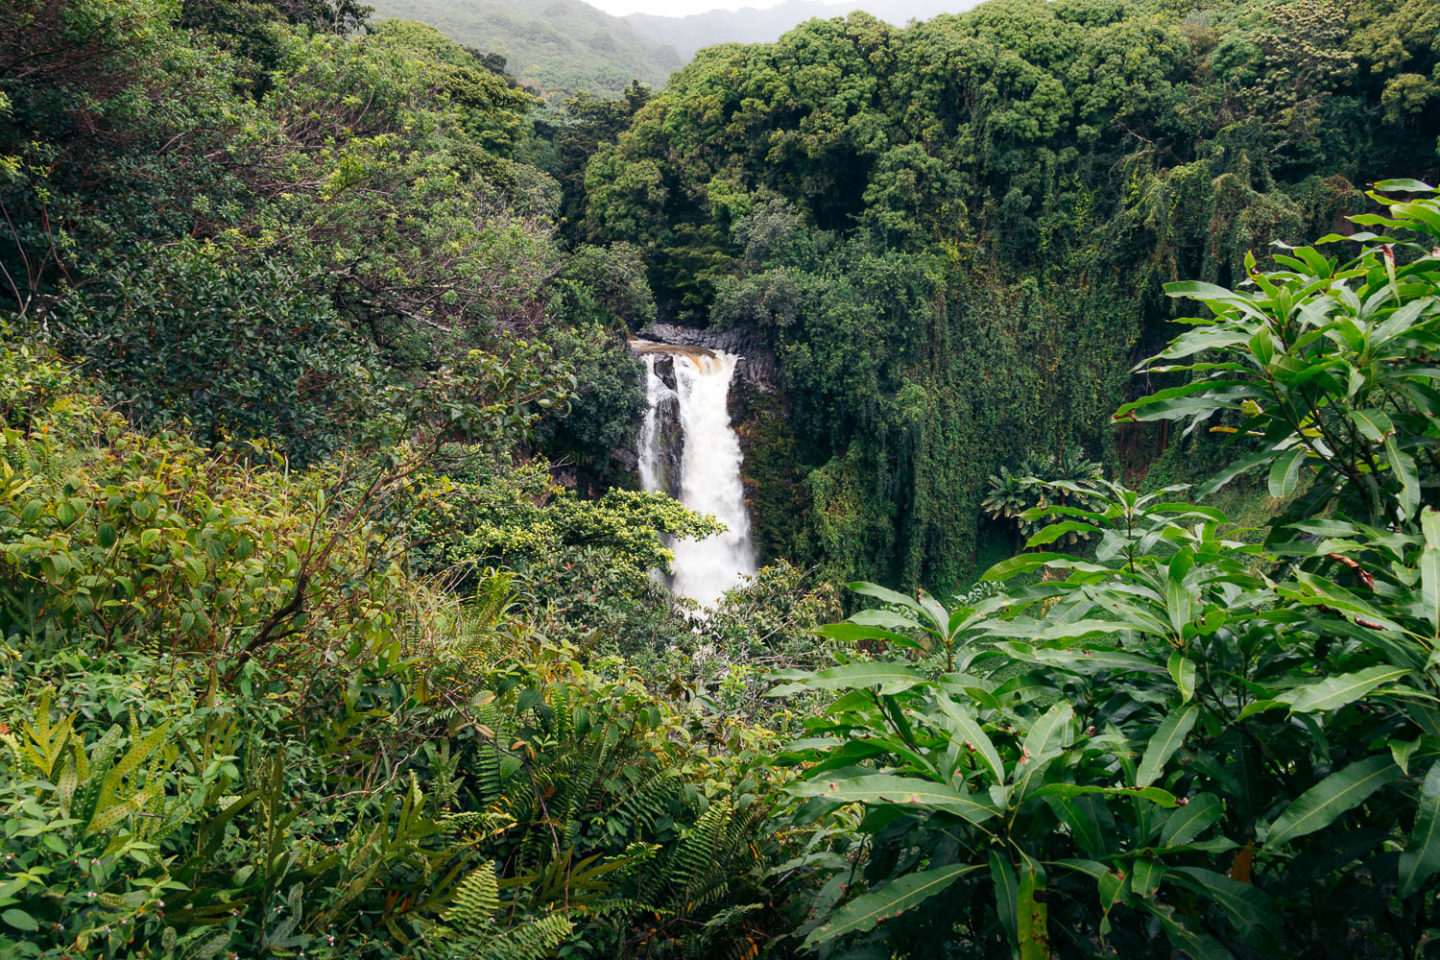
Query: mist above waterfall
[{"x": 694, "y": 416}]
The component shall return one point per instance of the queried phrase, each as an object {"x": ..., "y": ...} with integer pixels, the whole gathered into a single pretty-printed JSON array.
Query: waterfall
[
  {"x": 694, "y": 416},
  {"x": 651, "y": 450}
]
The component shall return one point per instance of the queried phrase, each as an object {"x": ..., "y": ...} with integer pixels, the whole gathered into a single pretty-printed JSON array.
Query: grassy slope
[{"x": 557, "y": 46}]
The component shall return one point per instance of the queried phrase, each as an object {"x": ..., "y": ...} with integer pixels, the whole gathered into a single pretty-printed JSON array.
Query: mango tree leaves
[
  {"x": 1333, "y": 692},
  {"x": 1032, "y": 927},
  {"x": 1247, "y": 907},
  {"x": 884, "y": 677},
  {"x": 972, "y": 738},
  {"x": 1194, "y": 818},
  {"x": 1167, "y": 739},
  {"x": 890, "y": 900},
  {"x": 858, "y": 786},
  {"x": 1318, "y": 807},
  {"x": 1421, "y": 858}
]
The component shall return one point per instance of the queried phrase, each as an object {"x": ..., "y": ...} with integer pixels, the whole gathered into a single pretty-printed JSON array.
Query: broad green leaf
[
  {"x": 1262, "y": 346},
  {"x": 1093, "y": 869},
  {"x": 932, "y": 608},
  {"x": 854, "y": 632},
  {"x": 1402, "y": 751},
  {"x": 894, "y": 898},
  {"x": 1047, "y": 737},
  {"x": 1184, "y": 390},
  {"x": 883, "y": 594},
  {"x": 1083, "y": 816},
  {"x": 1190, "y": 942},
  {"x": 1055, "y": 531},
  {"x": 1198, "y": 290},
  {"x": 1318, "y": 807},
  {"x": 1285, "y": 473},
  {"x": 1430, "y": 586},
  {"x": 876, "y": 788},
  {"x": 1007, "y": 893},
  {"x": 1167, "y": 739},
  {"x": 1242, "y": 466},
  {"x": 1247, "y": 907},
  {"x": 1430, "y": 524},
  {"x": 1178, "y": 408},
  {"x": 1404, "y": 185},
  {"x": 962, "y": 721},
  {"x": 1023, "y": 563},
  {"x": 1326, "y": 593},
  {"x": 887, "y": 619},
  {"x": 1374, "y": 425},
  {"x": 1154, "y": 794},
  {"x": 1145, "y": 876},
  {"x": 1031, "y": 914},
  {"x": 806, "y": 744},
  {"x": 1421, "y": 858},
  {"x": 851, "y": 753},
  {"x": 1333, "y": 692},
  {"x": 1194, "y": 818},
  {"x": 20, "y": 920},
  {"x": 1050, "y": 731},
  {"x": 1404, "y": 467},
  {"x": 1182, "y": 671},
  {"x": 1079, "y": 660},
  {"x": 888, "y": 678}
]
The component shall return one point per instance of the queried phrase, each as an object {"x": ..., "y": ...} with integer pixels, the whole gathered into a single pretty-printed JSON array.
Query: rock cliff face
[{"x": 756, "y": 369}]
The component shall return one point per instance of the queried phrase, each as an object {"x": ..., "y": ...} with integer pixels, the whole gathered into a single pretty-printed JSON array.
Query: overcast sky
[{"x": 674, "y": 8}]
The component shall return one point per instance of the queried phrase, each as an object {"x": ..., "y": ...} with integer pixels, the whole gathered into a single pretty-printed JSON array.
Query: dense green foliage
[
  {"x": 233, "y": 721},
  {"x": 1183, "y": 737},
  {"x": 263, "y": 692},
  {"x": 332, "y": 623},
  {"x": 954, "y": 235}
]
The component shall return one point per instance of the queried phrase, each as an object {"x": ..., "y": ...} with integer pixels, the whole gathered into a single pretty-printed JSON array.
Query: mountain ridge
[
  {"x": 689, "y": 34},
  {"x": 560, "y": 47},
  {"x": 557, "y": 47}
]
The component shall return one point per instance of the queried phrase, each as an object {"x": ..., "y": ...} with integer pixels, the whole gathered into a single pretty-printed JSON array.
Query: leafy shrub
[
  {"x": 1225, "y": 745},
  {"x": 222, "y": 690},
  {"x": 608, "y": 405},
  {"x": 236, "y": 346}
]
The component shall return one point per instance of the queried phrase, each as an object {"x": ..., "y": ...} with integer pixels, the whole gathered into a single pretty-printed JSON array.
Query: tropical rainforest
[{"x": 1096, "y": 489}]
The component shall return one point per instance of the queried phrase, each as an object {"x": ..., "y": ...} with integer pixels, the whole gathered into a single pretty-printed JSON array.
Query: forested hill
[
  {"x": 564, "y": 46},
  {"x": 558, "y": 47},
  {"x": 954, "y": 236},
  {"x": 688, "y": 34}
]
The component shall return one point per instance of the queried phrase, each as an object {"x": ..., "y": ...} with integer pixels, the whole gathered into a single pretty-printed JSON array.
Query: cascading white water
[
  {"x": 657, "y": 392},
  {"x": 709, "y": 469}
]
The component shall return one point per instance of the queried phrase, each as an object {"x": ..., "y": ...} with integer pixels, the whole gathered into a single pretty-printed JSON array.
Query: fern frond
[
  {"x": 477, "y": 900},
  {"x": 531, "y": 940}
]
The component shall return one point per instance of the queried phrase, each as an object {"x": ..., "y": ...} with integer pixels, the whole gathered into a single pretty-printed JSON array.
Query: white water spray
[
  {"x": 709, "y": 468},
  {"x": 657, "y": 394}
]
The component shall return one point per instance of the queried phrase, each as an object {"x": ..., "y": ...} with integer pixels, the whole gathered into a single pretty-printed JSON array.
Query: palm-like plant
[{"x": 1041, "y": 481}]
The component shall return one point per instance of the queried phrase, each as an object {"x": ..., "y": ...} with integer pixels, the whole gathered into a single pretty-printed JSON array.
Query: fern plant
[{"x": 471, "y": 927}]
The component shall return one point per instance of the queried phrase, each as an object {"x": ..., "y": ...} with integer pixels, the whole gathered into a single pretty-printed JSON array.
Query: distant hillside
[
  {"x": 560, "y": 46},
  {"x": 749, "y": 25},
  {"x": 557, "y": 46}
]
